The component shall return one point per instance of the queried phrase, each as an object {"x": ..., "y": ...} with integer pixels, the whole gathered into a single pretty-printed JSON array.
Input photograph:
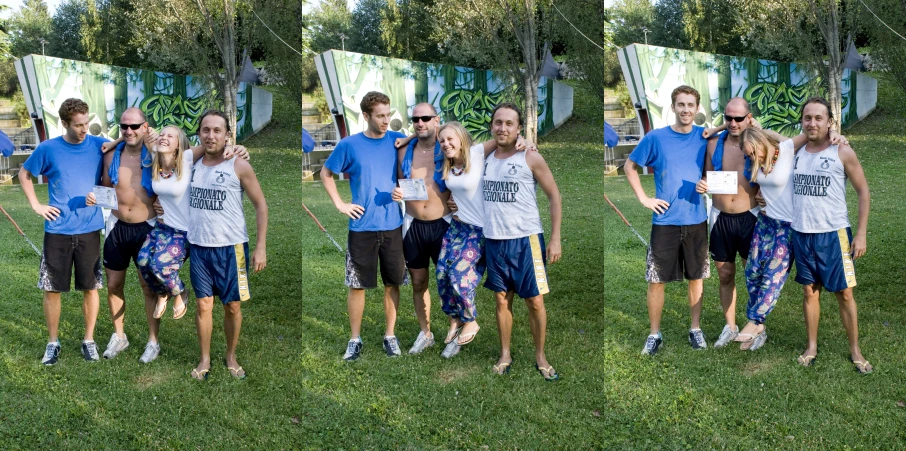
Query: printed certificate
[
  {"x": 414, "y": 189},
  {"x": 105, "y": 197},
  {"x": 723, "y": 182}
]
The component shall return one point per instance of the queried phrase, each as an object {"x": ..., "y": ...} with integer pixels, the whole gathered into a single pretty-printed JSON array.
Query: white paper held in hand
[
  {"x": 723, "y": 182},
  {"x": 414, "y": 189},
  {"x": 105, "y": 197}
]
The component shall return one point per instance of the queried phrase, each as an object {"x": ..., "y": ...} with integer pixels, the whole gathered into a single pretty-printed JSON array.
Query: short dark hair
[
  {"x": 817, "y": 99},
  {"x": 685, "y": 89},
  {"x": 71, "y": 107},
  {"x": 371, "y": 99},
  {"x": 508, "y": 106},
  {"x": 217, "y": 113}
]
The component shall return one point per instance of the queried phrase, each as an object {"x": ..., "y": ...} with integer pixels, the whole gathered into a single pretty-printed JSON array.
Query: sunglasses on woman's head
[{"x": 132, "y": 126}]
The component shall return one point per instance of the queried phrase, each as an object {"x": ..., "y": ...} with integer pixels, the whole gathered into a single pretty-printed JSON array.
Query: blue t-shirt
[
  {"x": 678, "y": 160},
  {"x": 371, "y": 165},
  {"x": 72, "y": 171}
]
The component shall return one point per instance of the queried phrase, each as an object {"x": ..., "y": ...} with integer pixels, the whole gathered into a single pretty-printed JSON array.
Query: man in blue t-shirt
[
  {"x": 679, "y": 231},
  {"x": 72, "y": 165},
  {"x": 375, "y": 220}
]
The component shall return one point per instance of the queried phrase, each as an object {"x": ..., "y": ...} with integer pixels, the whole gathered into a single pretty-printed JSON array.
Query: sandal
[
  {"x": 468, "y": 337},
  {"x": 161, "y": 308},
  {"x": 452, "y": 334},
  {"x": 177, "y": 314},
  {"x": 502, "y": 369},
  {"x": 754, "y": 342},
  {"x": 552, "y": 374},
  {"x": 862, "y": 366},
  {"x": 238, "y": 373},
  {"x": 200, "y": 375},
  {"x": 806, "y": 360}
]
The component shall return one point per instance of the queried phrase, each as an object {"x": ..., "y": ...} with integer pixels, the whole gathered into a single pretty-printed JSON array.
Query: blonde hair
[
  {"x": 181, "y": 147},
  {"x": 756, "y": 139},
  {"x": 465, "y": 140}
]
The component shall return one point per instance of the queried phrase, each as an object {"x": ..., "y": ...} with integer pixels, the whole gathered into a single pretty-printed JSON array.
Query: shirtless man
[
  {"x": 128, "y": 226},
  {"x": 428, "y": 220}
]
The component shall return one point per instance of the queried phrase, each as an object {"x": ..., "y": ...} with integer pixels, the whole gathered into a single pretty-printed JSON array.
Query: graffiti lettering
[{"x": 169, "y": 109}]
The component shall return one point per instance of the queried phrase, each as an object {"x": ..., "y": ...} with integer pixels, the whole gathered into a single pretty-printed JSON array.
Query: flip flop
[
  {"x": 160, "y": 308},
  {"x": 452, "y": 334},
  {"x": 179, "y": 314},
  {"x": 502, "y": 369},
  {"x": 862, "y": 366},
  {"x": 552, "y": 374},
  {"x": 238, "y": 373},
  {"x": 469, "y": 337},
  {"x": 200, "y": 375},
  {"x": 753, "y": 342},
  {"x": 806, "y": 360}
]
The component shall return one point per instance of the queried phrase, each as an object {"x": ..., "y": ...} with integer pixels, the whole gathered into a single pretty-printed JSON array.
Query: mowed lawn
[{"x": 301, "y": 395}]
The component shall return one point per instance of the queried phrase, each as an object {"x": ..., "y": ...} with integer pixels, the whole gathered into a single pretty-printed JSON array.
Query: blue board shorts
[
  {"x": 220, "y": 271},
  {"x": 517, "y": 265},
  {"x": 825, "y": 258}
]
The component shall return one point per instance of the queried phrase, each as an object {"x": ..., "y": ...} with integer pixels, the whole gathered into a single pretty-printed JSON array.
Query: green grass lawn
[{"x": 301, "y": 395}]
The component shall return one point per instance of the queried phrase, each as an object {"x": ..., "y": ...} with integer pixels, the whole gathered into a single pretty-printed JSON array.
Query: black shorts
[
  {"x": 62, "y": 253},
  {"x": 366, "y": 250},
  {"x": 423, "y": 242},
  {"x": 123, "y": 244},
  {"x": 731, "y": 235},
  {"x": 676, "y": 251}
]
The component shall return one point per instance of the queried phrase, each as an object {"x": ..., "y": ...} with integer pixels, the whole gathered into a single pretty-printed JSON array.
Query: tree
[
  {"x": 28, "y": 27},
  {"x": 509, "y": 36},
  {"x": 295, "y": 74},
  {"x": 630, "y": 19},
  {"x": 589, "y": 51},
  {"x": 327, "y": 23},
  {"x": 888, "y": 49},
  {"x": 66, "y": 28},
  {"x": 203, "y": 37},
  {"x": 365, "y": 34}
]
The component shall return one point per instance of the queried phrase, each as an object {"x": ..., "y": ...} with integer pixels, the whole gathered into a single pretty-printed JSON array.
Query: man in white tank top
[
  {"x": 823, "y": 244},
  {"x": 514, "y": 237},
  {"x": 219, "y": 241}
]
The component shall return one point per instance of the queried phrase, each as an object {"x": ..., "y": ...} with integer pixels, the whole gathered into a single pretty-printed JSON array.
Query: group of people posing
[
  {"x": 789, "y": 206},
  {"x": 480, "y": 216},
  {"x": 172, "y": 202}
]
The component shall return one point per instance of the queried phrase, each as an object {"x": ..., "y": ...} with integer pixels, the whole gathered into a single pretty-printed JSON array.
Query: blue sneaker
[
  {"x": 90, "y": 351},
  {"x": 697, "y": 339},
  {"x": 353, "y": 350},
  {"x": 51, "y": 353},
  {"x": 652, "y": 344}
]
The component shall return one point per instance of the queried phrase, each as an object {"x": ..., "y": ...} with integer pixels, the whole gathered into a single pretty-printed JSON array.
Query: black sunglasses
[
  {"x": 416, "y": 119},
  {"x": 737, "y": 119},
  {"x": 132, "y": 126}
]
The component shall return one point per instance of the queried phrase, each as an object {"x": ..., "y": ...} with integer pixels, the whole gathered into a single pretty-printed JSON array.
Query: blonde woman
[
  {"x": 460, "y": 265},
  {"x": 164, "y": 250}
]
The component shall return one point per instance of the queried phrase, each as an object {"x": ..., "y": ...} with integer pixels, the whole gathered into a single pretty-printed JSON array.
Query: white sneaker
[
  {"x": 422, "y": 342},
  {"x": 726, "y": 336},
  {"x": 451, "y": 350},
  {"x": 151, "y": 352},
  {"x": 116, "y": 346}
]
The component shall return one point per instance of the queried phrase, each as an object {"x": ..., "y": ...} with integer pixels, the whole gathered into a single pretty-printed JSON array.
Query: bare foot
[
  {"x": 503, "y": 365},
  {"x": 455, "y": 327},
  {"x": 161, "y": 306}
]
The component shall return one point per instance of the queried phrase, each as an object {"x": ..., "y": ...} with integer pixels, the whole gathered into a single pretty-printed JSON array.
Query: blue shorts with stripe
[
  {"x": 220, "y": 271},
  {"x": 825, "y": 258},
  {"x": 517, "y": 265}
]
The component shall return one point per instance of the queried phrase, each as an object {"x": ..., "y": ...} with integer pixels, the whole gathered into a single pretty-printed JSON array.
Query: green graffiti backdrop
[
  {"x": 166, "y": 99},
  {"x": 779, "y": 106}
]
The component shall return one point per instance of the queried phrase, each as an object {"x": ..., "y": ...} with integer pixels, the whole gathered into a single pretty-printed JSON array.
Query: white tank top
[
  {"x": 215, "y": 206},
  {"x": 173, "y": 195},
  {"x": 510, "y": 205},
  {"x": 466, "y": 189},
  {"x": 819, "y": 192},
  {"x": 777, "y": 187}
]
